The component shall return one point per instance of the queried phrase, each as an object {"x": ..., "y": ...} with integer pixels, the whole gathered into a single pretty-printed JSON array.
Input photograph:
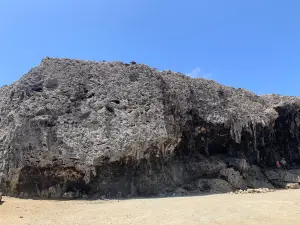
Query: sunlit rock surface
[{"x": 80, "y": 128}]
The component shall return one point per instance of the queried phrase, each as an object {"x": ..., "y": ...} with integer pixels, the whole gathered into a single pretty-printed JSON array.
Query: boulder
[
  {"x": 206, "y": 166},
  {"x": 240, "y": 165},
  {"x": 181, "y": 192},
  {"x": 292, "y": 186},
  {"x": 256, "y": 179},
  {"x": 233, "y": 177},
  {"x": 104, "y": 128},
  {"x": 214, "y": 186},
  {"x": 69, "y": 195},
  {"x": 282, "y": 175}
]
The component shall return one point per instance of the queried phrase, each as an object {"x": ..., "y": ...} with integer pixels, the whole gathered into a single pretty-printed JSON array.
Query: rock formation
[{"x": 73, "y": 128}]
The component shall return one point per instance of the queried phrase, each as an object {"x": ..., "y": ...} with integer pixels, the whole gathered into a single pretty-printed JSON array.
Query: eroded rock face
[
  {"x": 114, "y": 129},
  {"x": 284, "y": 176},
  {"x": 255, "y": 178}
]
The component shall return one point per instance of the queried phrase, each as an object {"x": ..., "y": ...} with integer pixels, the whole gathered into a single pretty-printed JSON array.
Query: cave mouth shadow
[
  {"x": 107, "y": 200},
  {"x": 93, "y": 199}
]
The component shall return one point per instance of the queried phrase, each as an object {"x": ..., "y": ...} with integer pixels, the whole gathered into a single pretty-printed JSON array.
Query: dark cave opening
[{"x": 33, "y": 180}]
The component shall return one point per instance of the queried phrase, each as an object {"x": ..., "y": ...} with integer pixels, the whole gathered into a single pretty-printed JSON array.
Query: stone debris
[{"x": 251, "y": 191}]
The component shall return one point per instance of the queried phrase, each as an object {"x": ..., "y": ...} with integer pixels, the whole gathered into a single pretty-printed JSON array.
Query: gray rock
[
  {"x": 207, "y": 166},
  {"x": 240, "y": 165},
  {"x": 282, "y": 175},
  {"x": 69, "y": 195},
  {"x": 284, "y": 185},
  {"x": 109, "y": 127},
  {"x": 214, "y": 186},
  {"x": 234, "y": 178},
  {"x": 85, "y": 196},
  {"x": 292, "y": 186},
  {"x": 181, "y": 192},
  {"x": 256, "y": 179}
]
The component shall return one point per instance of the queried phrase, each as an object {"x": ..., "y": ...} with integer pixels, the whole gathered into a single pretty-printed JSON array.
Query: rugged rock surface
[
  {"x": 71, "y": 127},
  {"x": 291, "y": 176}
]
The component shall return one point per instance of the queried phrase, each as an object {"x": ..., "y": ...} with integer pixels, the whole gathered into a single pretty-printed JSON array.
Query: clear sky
[{"x": 253, "y": 44}]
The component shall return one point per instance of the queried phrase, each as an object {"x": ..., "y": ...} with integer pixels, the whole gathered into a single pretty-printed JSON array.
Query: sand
[{"x": 276, "y": 208}]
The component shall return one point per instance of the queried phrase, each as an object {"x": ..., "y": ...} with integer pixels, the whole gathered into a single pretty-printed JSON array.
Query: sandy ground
[{"x": 276, "y": 208}]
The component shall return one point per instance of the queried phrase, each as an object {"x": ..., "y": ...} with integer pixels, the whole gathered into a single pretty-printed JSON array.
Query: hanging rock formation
[{"x": 74, "y": 128}]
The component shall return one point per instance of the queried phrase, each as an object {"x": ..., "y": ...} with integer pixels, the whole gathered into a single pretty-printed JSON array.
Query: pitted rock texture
[{"x": 71, "y": 128}]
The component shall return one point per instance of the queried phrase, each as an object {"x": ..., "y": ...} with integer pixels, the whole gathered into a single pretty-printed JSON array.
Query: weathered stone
[
  {"x": 233, "y": 177},
  {"x": 282, "y": 175},
  {"x": 207, "y": 166},
  {"x": 55, "y": 191},
  {"x": 292, "y": 186},
  {"x": 240, "y": 165},
  {"x": 84, "y": 196},
  {"x": 214, "y": 186},
  {"x": 69, "y": 195},
  {"x": 181, "y": 192},
  {"x": 284, "y": 185},
  {"x": 256, "y": 179},
  {"x": 108, "y": 128}
]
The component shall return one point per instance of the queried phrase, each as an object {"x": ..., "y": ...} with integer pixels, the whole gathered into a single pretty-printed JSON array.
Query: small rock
[
  {"x": 292, "y": 186},
  {"x": 162, "y": 195},
  {"x": 68, "y": 195},
  {"x": 77, "y": 194},
  {"x": 283, "y": 175},
  {"x": 181, "y": 192},
  {"x": 103, "y": 197},
  {"x": 233, "y": 177},
  {"x": 214, "y": 186},
  {"x": 85, "y": 196},
  {"x": 256, "y": 179}
]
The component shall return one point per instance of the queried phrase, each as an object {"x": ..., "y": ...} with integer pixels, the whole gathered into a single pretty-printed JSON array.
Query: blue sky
[{"x": 253, "y": 44}]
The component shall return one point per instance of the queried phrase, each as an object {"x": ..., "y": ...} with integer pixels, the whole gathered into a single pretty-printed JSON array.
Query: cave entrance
[{"x": 212, "y": 140}]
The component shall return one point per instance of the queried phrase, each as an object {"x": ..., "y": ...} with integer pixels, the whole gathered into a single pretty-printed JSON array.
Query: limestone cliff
[{"x": 115, "y": 129}]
